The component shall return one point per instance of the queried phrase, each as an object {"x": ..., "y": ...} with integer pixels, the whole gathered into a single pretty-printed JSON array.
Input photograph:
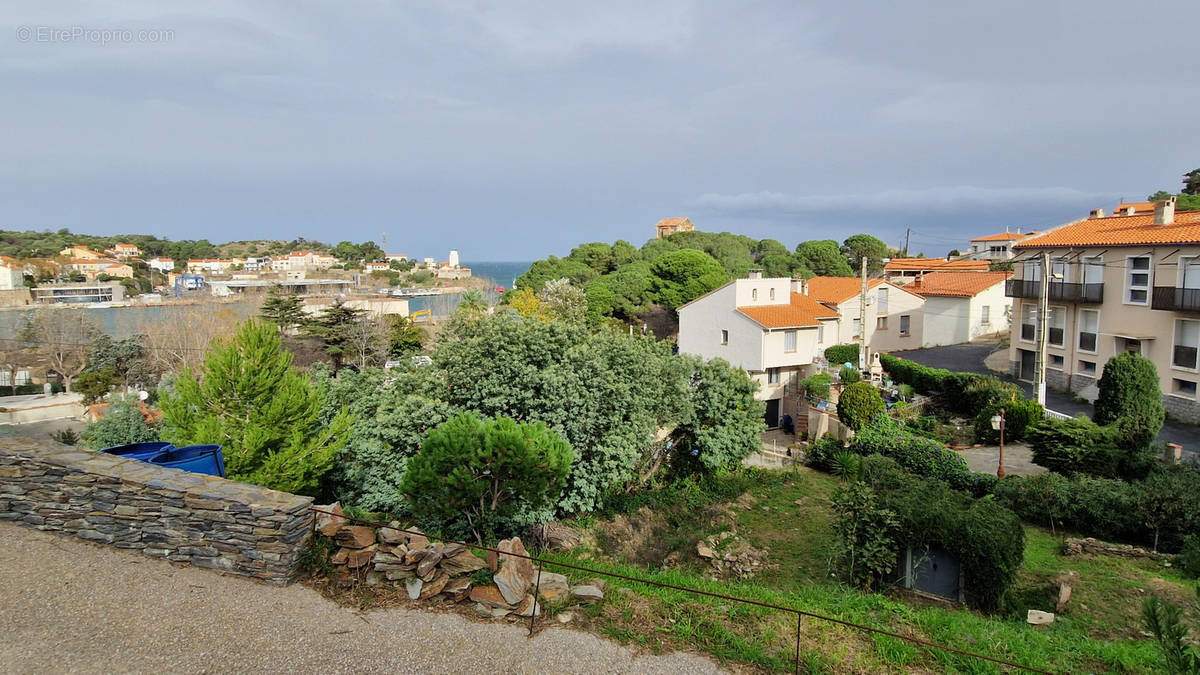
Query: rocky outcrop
[{"x": 1097, "y": 547}]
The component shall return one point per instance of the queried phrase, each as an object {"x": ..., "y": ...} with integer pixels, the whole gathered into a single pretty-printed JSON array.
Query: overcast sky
[{"x": 516, "y": 131}]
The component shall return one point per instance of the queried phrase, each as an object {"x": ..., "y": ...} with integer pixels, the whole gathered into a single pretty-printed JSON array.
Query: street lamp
[{"x": 998, "y": 425}]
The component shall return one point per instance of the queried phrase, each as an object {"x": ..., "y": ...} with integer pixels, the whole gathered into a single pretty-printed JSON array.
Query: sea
[{"x": 121, "y": 322}]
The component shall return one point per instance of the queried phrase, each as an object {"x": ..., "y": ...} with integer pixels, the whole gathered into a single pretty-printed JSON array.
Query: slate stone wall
[{"x": 185, "y": 517}]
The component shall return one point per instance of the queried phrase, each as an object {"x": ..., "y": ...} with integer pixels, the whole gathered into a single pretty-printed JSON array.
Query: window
[
  {"x": 857, "y": 328},
  {"x": 1189, "y": 273},
  {"x": 1058, "y": 325},
  {"x": 1028, "y": 322},
  {"x": 881, "y": 323},
  {"x": 905, "y": 323},
  {"x": 1187, "y": 343},
  {"x": 1087, "y": 367},
  {"x": 789, "y": 340},
  {"x": 772, "y": 376},
  {"x": 754, "y": 294},
  {"x": 821, "y": 333},
  {"x": 772, "y": 292},
  {"x": 1056, "y": 361},
  {"x": 724, "y": 337},
  {"x": 1058, "y": 272},
  {"x": 1032, "y": 271},
  {"x": 6, "y": 378},
  {"x": 1089, "y": 327},
  {"x": 1184, "y": 388},
  {"x": 1137, "y": 279},
  {"x": 883, "y": 301},
  {"x": 1093, "y": 270},
  {"x": 987, "y": 314}
]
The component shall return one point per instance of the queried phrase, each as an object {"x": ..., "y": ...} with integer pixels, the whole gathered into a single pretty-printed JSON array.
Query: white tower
[{"x": 454, "y": 258}]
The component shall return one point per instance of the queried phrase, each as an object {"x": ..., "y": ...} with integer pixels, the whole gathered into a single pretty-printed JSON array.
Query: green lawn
[{"x": 787, "y": 512}]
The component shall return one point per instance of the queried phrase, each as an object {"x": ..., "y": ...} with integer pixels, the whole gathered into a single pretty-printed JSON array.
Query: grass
[{"x": 787, "y": 512}]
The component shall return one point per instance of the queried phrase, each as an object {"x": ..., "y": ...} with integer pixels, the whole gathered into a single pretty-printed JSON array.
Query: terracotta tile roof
[
  {"x": 802, "y": 311},
  {"x": 1004, "y": 236},
  {"x": 1135, "y": 230},
  {"x": 957, "y": 284},
  {"x": 918, "y": 264},
  {"x": 671, "y": 222},
  {"x": 1137, "y": 206},
  {"x": 836, "y": 290}
]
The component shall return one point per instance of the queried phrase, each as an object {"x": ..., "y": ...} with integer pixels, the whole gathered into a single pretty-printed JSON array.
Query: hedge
[
  {"x": 964, "y": 392},
  {"x": 1019, "y": 415},
  {"x": 840, "y": 354},
  {"x": 1108, "y": 508}
]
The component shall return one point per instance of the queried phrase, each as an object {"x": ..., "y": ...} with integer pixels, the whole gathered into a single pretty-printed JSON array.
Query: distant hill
[{"x": 47, "y": 243}]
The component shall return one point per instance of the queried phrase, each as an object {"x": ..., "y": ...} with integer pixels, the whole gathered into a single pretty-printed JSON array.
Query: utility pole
[
  {"x": 1043, "y": 312},
  {"x": 862, "y": 319},
  {"x": 907, "y": 233}
]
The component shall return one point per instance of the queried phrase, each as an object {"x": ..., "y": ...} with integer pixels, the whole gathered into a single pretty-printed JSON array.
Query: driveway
[
  {"x": 74, "y": 607},
  {"x": 969, "y": 358}
]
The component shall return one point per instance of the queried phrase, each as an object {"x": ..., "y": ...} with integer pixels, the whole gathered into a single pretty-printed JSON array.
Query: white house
[
  {"x": 996, "y": 246},
  {"x": 961, "y": 306},
  {"x": 163, "y": 265},
  {"x": 895, "y": 315},
  {"x": 764, "y": 326}
]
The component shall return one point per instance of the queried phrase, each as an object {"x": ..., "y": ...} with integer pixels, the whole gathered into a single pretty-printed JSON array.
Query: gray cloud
[{"x": 520, "y": 129}]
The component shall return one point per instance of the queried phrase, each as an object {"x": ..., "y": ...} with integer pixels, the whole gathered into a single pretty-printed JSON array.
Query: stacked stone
[
  {"x": 183, "y": 517},
  {"x": 435, "y": 569}
]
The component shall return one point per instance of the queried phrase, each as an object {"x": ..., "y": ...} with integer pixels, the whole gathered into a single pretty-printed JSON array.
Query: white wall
[
  {"x": 701, "y": 323},
  {"x": 11, "y": 278},
  {"x": 947, "y": 321},
  {"x": 744, "y": 293},
  {"x": 952, "y": 321},
  {"x": 999, "y": 305}
]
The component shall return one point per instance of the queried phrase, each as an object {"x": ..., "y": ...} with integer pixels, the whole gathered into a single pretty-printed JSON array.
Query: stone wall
[
  {"x": 185, "y": 517},
  {"x": 1182, "y": 409}
]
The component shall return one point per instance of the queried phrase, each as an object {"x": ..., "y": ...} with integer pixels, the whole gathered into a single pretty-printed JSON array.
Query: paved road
[
  {"x": 71, "y": 607},
  {"x": 970, "y": 358}
]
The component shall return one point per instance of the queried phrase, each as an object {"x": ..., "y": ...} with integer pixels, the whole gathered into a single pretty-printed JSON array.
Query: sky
[{"x": 514, "y": 130}]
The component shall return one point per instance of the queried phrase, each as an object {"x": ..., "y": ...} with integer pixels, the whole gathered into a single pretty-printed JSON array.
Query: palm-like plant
[{"x": 473, "y": 302}]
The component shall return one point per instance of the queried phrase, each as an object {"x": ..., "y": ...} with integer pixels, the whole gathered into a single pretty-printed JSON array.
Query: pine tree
[
  {"x": 283, "y": 309},
  {"x": 248, "y": 398},
  {"x": 335, "y": 329}
]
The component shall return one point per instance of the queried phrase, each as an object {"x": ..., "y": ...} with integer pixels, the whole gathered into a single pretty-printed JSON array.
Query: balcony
[
  {"x": 1175, "y": 299},
  {"x": 1058, "y": 291}
]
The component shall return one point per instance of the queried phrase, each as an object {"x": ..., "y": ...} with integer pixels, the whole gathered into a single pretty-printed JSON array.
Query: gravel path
[{"x": 69, "y": 606}]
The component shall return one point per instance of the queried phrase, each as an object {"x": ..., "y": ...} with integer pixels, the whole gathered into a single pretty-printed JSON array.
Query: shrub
[
  {"x": 249, "y": 398},
  {"x": 95, "y": 384},
  {"x": 849, "y": 375},
  {"x": 1074, "y": 446},
  {"x": 840, "y": 354},
  {"x": 917, "y": 454},
  {"x": 980, "y": 391},
  {"x": 859, "y": 403},
  {"x": 820, "y": 453},
  {"x": 1018, "y": 415},
  {"x": 483, "y": 476},
  {"x": 1189, "y": 556},
  {"x": 1130, "y": 397},
  {"x": 865, "y": 532},
  {"x": 122, "y": 424},
  {"x": 816, "y": 387}
]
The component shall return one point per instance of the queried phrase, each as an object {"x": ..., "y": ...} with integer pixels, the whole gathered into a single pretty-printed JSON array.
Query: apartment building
[
  {"x": 1129, "y": 282},
  {"x": 895, "y": 315},
  {"x": 766, "y": 327}
]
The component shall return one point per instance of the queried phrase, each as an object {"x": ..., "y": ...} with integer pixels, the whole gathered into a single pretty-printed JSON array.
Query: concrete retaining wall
[{"x": 166, "y": 513}]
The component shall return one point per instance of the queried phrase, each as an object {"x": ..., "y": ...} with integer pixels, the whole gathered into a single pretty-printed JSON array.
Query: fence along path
[{"x": 799, "y": 613}]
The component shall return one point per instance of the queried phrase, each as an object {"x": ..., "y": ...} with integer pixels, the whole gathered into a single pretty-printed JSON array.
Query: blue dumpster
[
  {"x": 142, "y": 451},
  {"x": 195, "y": 458}
]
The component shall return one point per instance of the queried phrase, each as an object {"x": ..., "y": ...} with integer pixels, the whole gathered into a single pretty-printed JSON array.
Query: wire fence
[{"x": 799, "y": 613}]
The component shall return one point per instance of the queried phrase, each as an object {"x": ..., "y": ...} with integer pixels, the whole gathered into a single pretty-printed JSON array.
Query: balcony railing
[
  {"x": 1176, "y": 299},
  {"x": 1058, "y": 291}
]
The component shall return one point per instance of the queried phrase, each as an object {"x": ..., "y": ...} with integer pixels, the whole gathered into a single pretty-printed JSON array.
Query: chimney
[
  {"x": 1130, "y": 210},
  {"x": 1097, "y": 213},
  {"x": 799, "y": 285},
  {"x": 1164, "y": 211},
  {"x": 755, "y": 272}
]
